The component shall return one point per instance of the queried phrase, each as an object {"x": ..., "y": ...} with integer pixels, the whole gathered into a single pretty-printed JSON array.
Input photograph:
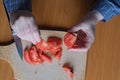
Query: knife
[{"x": 18, "y": 44}]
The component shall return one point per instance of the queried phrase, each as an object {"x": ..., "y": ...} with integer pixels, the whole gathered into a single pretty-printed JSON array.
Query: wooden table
[
  {"x": 5, "y": 32},
  {"x": 103, "y": 62}
]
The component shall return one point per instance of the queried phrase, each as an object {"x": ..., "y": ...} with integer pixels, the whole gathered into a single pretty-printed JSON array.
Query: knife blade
[{"x": 18, "y": 44}]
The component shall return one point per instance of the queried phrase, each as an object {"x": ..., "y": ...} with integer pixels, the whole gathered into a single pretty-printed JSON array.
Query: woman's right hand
[{"x": 24, "y": 26}]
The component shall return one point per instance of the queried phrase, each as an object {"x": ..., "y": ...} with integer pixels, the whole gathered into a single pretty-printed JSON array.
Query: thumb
[{"x": 76, "y": 28}]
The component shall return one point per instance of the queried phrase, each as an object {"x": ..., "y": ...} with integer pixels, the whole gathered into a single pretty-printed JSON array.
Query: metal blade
[{"x": 18, "y": 44}]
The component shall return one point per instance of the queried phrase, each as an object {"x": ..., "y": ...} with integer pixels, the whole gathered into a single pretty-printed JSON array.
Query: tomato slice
[
  {"x": 71, "y": 74},
  {"x": 46, "y": 57},
  {"x": 32, "y": 56},
  {"x": 54, "y": 42},
  {"x": 35, "y": 56},
  {"x": 33, "y": 53},
  {"x": 27, "y": 56},
  {"x": 54, "y": 51},
  {"x": 68, "y": 71},
  {"x": 43, "y": 45},
  {"x": 58, "y": 54},
  {"x": 69, "y": 39}
]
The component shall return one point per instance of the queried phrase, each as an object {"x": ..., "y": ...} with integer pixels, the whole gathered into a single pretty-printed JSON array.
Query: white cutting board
[{"x": 46, "y": 71}]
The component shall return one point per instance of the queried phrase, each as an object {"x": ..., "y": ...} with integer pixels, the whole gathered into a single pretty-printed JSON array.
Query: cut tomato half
[
  {"x": 69, "y": 39},
  {"x": 54, "y": 42}
]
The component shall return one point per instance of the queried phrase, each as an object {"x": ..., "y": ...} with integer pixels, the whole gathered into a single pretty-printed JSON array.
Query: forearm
[
  {"x": 15, "y": 5},
  {"x": 108, "y": 8}
]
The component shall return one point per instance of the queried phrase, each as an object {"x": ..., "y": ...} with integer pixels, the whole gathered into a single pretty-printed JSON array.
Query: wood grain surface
[
  {"x": 103, "y": 61},
  {"x": 104, "y": 56},
  {"x": 5, "y": 32},
  {"x": 6, "y": 72},
  {"x": 60, "y": 14}
]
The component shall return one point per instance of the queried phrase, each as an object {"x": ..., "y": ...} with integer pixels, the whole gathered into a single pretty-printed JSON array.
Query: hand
[
  {"x": 24, "y": 25},
  {"x": 86, "y": 30}
]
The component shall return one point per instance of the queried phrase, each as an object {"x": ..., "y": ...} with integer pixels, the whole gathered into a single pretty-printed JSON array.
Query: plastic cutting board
[{"x": 46, "y": 71}]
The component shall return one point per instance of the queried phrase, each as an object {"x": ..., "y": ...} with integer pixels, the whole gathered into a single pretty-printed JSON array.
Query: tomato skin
[
  {"x": 54, "y": 51},
  {"x": 32, "y": 57},
  {"x": 54, "y": 42},
  {"x": 33, "y": 53},
  {"x": 43, "y": 45},
  {"x": 27, "y": 57},
  {"x": 71, "y": 74},
  {"x": 68, "y": 70},
  {"x": 45, "y": 57},
  {"x": 58, "y": 54},
  {"x": 69, "y": 39},
  {"x": 36, "y": 59}
]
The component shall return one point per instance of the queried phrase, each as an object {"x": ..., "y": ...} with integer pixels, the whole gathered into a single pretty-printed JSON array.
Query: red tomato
[
  {"x": 33, "y": 53},
  {"x": 68, "y": 70},
  {"x": 54, "y": 42},
  {"x": 58, "y": 53},
  {"x": 71, "y": 74},
  {"x": 35, "y": 56},
  {"x": 69, "y": 39},
  {"x": 27, "y": 56},
  {"x": 46, "y": 57},
  {"x": 40, "y": 52},
  {"x": 42, "y": 45},
  {"x": 54, "y": 51},
  {"x": 32, "y": 57}
]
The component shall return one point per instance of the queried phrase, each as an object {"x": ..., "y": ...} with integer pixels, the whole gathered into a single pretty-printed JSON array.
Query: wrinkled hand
[
  {"x": 24, "y": 25},
  {"x": 86, "y": 30}
]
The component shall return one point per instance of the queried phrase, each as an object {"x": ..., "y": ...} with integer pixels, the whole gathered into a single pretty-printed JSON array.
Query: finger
[
  {"x": 27, "y": 37},
  {"x": 74, "y": 29},
  {"x": 25, "y": 30},
  {"x": 33, "y": 40},
  {"x": 30, "y": 31},
  {"x": 36, "y": 36}
]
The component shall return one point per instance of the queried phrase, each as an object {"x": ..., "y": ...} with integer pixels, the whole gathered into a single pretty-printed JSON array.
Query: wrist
[
  {"x": 92, "y": 18},
  {"x": 97, "y": 15}
]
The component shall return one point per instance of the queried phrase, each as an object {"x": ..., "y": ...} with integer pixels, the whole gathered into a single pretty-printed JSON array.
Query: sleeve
[
  {"x": 108, "y": 8},
  {"x": 14, "y": 5}
]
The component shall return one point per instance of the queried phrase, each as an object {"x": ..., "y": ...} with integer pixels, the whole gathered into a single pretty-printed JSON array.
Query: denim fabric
[
  {"x": 108, "y": 8},
  {"x": 14, "y": 5}
]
